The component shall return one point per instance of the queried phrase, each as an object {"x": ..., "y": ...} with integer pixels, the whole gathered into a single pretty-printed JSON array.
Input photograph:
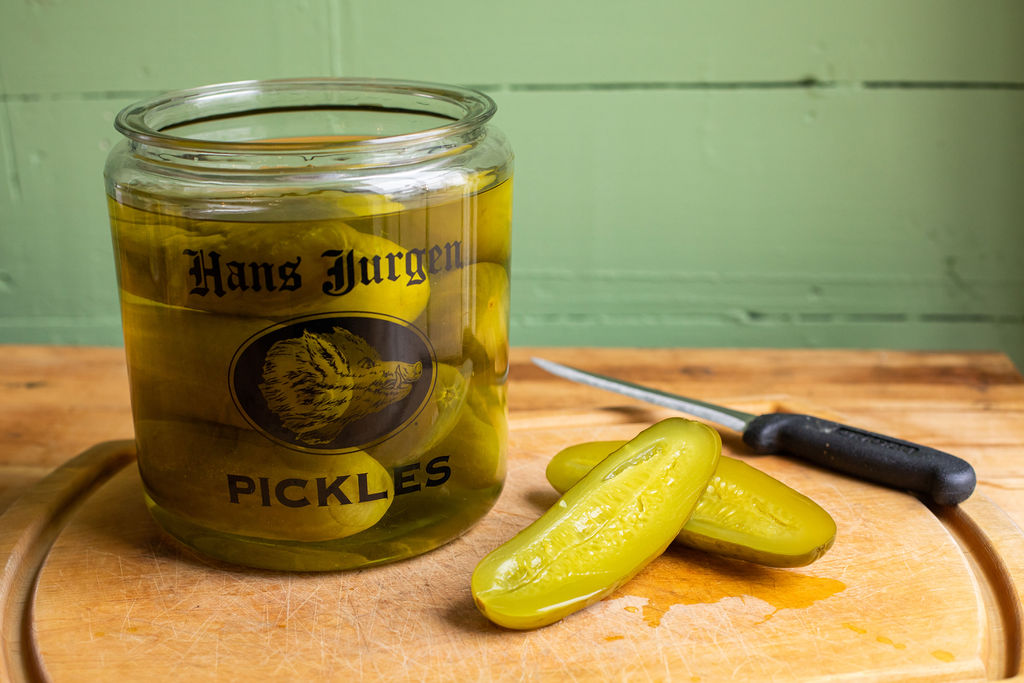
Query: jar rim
[{"x": 148, "y": 121}]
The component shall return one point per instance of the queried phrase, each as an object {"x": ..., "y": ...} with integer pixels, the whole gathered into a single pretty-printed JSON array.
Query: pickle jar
[{"x": 314, "y": 291}]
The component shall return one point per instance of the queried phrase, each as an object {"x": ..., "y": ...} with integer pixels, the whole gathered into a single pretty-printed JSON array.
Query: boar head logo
[
  {"x": 318, "y": 384},
  {"x": 325, "y": 386}
]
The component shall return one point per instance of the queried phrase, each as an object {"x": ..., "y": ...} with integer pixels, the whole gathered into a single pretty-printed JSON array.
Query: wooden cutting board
[{"x": 93, "y": 591}]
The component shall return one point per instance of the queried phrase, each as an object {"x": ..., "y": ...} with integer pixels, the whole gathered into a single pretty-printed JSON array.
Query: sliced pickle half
[{"x": 744, "y": 513}]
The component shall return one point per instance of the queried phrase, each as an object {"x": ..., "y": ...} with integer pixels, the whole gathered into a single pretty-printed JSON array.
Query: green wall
[{"x": 689, "y": 173}]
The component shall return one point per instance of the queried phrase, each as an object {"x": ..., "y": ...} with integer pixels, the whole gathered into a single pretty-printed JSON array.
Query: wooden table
[{"x": 91, "y": 590}]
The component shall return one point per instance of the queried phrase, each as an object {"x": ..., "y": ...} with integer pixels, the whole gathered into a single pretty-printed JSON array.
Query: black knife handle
[{"x": 944, "y": 478}]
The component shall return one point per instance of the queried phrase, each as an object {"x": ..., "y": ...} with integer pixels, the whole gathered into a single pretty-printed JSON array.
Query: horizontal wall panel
[
  {"x": 57, "y": 257},
  {"x": 918, "y": 186},
  {"x": 652, "y": 41},
  {"x": 115, "y": 46},
  {"x": 737, "y": 296},
  {"x": 118, "y": 46},
  {"x": 695, "y": 332}
]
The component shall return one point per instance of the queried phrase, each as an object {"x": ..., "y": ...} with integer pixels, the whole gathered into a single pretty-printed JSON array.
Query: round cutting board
[{"x": 92, "y": 590}]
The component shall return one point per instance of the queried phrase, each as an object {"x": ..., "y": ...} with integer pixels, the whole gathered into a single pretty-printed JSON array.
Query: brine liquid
[{"x": 318, "y": 380}]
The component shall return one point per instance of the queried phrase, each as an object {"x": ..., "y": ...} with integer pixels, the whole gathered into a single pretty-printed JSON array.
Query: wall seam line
[
  {"x": 337, "y": 39},
  {"x": 337, "y": 10},
  {"x": 10, "y": 158}
]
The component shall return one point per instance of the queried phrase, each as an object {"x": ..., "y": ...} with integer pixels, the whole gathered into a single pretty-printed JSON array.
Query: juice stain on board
[
  {"x": 941, "y": 655},
  {"x": 683, "y": 577}
]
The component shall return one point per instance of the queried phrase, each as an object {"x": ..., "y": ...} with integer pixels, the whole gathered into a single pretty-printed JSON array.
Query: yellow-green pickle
[
  {"x": 314, "y": 294},
  {"x": 609, "y": 525},
  {"x": 744, "y": 514}
]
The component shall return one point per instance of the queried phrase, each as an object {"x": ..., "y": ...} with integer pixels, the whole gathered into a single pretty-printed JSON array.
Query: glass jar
[{"x": 314, "y": 292}]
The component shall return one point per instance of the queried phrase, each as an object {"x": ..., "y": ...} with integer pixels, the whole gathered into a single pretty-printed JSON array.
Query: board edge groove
[
  {"x": 1004, "y": 617},
  {"x": 30, "y": 526}
]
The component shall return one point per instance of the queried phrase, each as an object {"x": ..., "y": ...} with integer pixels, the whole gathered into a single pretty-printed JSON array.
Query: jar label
[{"x": 333, "y": 383}]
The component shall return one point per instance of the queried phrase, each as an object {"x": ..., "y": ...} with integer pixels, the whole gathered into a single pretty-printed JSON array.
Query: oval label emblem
[{"x": 333, "y": 383}]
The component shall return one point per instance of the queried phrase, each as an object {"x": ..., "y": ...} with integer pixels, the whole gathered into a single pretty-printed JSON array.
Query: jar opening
[{"x": 299, "y": 115}]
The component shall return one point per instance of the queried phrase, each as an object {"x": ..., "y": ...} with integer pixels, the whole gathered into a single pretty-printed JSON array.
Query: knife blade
[{"x": 939, "y": 476}]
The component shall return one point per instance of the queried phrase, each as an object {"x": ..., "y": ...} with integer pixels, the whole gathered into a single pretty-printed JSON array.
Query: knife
[{"x": 943, "y": 478}]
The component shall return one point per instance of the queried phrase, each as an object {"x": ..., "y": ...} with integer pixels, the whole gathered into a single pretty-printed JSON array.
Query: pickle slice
[
  {"x": 600, "y": 533},
  {"x": 745, "y": 514}
]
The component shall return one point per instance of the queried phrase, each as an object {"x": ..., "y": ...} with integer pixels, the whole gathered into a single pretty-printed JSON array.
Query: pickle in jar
[
  {"x": 174, "y": 353},
  {"x": 249, "y": 486},
  {"x": 482, "y": 290},
  {"x": 267, "y": 269},
  {"x": 493, "y": 215},
  {"x": 433, "y": 423},
  {"x": 475, "y": 448}
]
